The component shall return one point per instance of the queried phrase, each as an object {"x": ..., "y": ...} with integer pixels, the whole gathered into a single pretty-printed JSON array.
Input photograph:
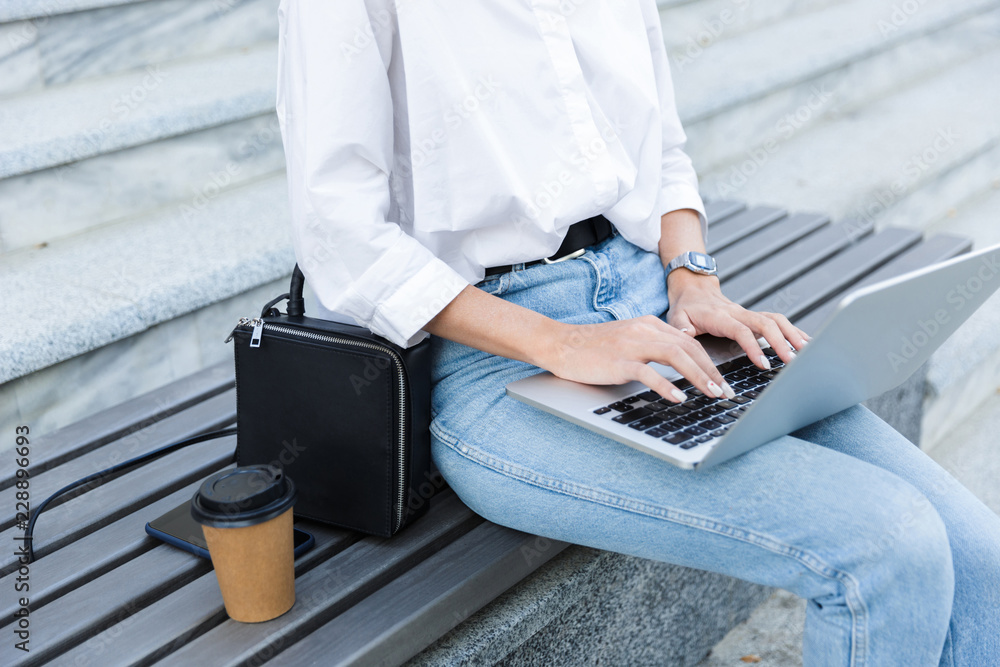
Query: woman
[{"x": 436, "y": 150}]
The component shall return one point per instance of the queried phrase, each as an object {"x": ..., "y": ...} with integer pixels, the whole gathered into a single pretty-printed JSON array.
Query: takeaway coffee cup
[{"x": 246, "y": 515}]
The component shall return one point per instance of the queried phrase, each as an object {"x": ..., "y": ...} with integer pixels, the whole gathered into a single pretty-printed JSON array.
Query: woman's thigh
[
  {"x": 790, "y": 514},
  {"x": 788, "y": 510}
]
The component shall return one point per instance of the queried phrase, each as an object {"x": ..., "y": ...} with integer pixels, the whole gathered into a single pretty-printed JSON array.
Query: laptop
[{"x": 873, "y": 341}]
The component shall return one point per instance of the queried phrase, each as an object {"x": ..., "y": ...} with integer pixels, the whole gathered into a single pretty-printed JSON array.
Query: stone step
[
  {"x": 94, "y": 117},
  {"x": 84, "y": 292},
  {"x": 956, "y": 189},
  {"x": 748, "y": 92},
  {"x": 14, "y": 10},
  {"x": 863, "y": 164},
  {"x": 966, "y": 369},
  {"x": 692, "y": 26},
  {"x": 180, "y": 172},
  {"x": 801, "y": 47},
  {"x": 74, "y": 45},
  {"x": 969, "y": 452}
]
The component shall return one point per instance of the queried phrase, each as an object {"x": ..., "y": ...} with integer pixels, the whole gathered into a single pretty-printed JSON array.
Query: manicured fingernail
[
  {"x": 679, "y": 395},
  {"x": 715, "y": 389},
  {"x": 765, "y": 362},
  {"x": 792, "y": 354},
  {"x": 728, "y": 390},
  {"x": 803, "y": 342}
]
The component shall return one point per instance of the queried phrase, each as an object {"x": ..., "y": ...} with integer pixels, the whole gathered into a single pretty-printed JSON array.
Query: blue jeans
[{"x": 899, "y": 562}]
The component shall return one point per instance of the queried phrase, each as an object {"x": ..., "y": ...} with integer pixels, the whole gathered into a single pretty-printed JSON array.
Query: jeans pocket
[{"x": 495, "y": 285}]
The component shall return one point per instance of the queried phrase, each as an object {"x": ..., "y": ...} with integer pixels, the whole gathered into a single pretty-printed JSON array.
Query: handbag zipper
[{"x": 259, "y": 326}]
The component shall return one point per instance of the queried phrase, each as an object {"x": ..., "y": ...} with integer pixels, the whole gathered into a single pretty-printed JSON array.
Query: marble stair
[
  {"x": 44, "y": 43},
  {"x": 142, "y": 201},
  {"x": 142, "y": 205}
]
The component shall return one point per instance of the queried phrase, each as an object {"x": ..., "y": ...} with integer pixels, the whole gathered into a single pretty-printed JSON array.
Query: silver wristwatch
[{"x": 698, "y": 262}]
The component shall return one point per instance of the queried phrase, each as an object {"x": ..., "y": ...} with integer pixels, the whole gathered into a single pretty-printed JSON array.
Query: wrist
[
  {"x": 682, "y": 280},
  {"x": 551, "y": 347}
]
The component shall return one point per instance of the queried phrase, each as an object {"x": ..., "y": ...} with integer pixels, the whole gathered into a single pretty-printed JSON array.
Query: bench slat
[
  {"x": 934, "y": 250},
  {"x": 719, "y": 210},
  {"x": 177, "y": 615},
  {"x": 331, "y": 588},
  {"x": 785, "y": 265},
  {"x": 109, "y": 547},
  {"x": 59, "y": 446},
  {"x": 838, "y": 273},
  {"x": 109, "y": 502},
  {"x": 208, "y": 415},
  {"x": 761, "y": 244},
  {"x": 740, "y": 225},
  {"x": 56, "y": 628},
  {"x": 426, "y": 602}
]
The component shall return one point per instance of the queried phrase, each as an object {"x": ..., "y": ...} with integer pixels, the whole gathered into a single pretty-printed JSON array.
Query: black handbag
[{"x": 343, "y": 411}]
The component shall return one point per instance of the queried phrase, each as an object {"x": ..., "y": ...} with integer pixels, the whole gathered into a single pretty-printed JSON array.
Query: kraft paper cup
[{"x": 246, "y": 515}]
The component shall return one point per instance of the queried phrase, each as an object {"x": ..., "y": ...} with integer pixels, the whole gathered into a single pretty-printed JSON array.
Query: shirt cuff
[
  {"x": 403, "y": 314},
  {"x": 677, "y": 196},
  {"x": 402, "y": 291}
]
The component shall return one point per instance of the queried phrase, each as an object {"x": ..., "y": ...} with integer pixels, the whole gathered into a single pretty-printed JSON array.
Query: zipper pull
[
  {"x": 243, "y": 322},
  {"x": 258, "y": 331}
]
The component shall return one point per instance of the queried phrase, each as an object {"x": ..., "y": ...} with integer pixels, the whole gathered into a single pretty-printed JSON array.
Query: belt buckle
[{"x": 572, "y": 255}]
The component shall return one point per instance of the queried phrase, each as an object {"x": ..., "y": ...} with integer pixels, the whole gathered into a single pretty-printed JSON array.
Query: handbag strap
[{"x": 296, "y": 304}]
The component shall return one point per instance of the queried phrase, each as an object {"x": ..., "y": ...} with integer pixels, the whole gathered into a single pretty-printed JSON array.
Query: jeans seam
[
  {"x": 855, "y": 603},
  {"x": 500, "y": 286},
  {"x": 598, "y": 284}
]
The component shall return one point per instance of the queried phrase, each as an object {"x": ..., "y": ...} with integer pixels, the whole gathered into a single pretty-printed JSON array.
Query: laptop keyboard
[{"x": 701, "y": 419}]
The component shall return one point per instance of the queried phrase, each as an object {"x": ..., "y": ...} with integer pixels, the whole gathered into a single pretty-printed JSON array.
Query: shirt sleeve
[
  {"x": 679, "y": 182},
  {"x": 335, "y": 112}
]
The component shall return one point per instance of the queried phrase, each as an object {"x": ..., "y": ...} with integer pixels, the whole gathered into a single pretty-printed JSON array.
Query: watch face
[{"x": 701, "y": 261}]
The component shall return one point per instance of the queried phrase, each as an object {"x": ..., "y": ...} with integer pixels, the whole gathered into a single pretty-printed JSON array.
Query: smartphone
[{"x": 179, "y": 529}]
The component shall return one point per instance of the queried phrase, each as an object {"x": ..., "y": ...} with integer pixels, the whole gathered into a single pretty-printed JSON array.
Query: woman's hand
[
  {"x": 698, "y": 306},
  {"x": 617, "y": 352},
  {"x": 607, "y": 353}
]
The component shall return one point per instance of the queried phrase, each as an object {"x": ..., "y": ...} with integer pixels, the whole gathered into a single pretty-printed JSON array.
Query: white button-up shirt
[{"x": 429, "y": 139}]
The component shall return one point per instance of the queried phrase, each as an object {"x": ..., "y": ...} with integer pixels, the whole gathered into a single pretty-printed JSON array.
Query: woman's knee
[{"x": 913, "y": 553}]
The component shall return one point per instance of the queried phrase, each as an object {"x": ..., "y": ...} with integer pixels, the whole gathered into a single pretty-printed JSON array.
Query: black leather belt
[{"x": 579, "y": 236}]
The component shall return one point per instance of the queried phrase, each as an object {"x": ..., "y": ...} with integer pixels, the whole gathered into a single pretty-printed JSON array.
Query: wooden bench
[{"x": 103, "y": 593}]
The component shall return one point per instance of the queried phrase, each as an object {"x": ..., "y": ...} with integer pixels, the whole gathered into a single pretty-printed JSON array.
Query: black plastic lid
[{"x": 243, "y": 496}]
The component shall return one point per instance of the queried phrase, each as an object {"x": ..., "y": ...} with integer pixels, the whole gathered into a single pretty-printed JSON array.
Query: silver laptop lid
[{"x": 874, "y": 340}]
